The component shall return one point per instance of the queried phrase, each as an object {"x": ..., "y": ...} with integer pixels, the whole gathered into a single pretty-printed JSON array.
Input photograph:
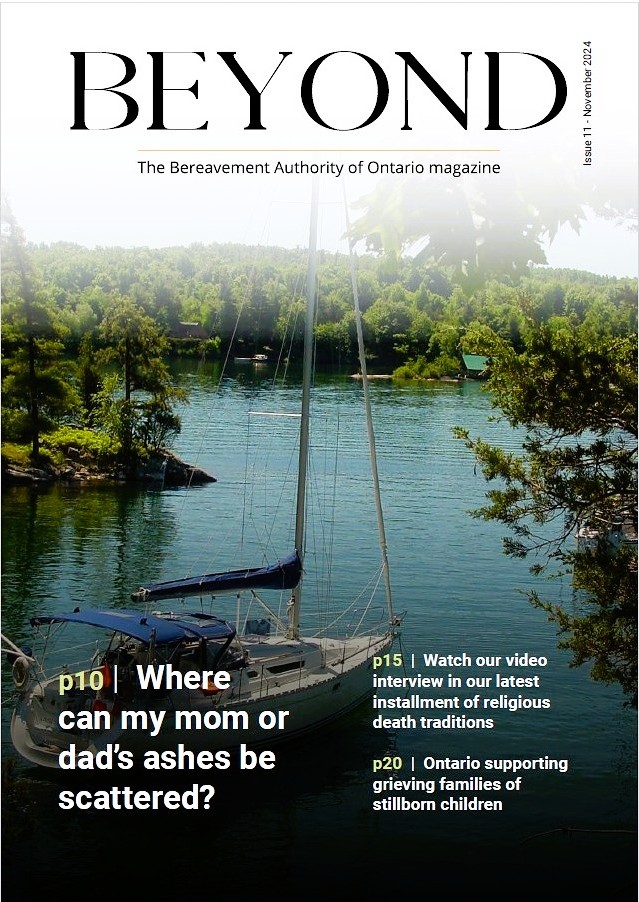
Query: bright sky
[{"x": 89, "y": 187}]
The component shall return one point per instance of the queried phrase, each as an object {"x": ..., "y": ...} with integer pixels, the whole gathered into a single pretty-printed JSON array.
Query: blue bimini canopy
[
  {"x": 285, "y": 574},
  {"x": 171, "y": 628}
]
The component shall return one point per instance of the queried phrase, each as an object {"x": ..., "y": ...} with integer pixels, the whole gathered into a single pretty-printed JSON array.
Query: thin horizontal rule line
[{"x": 318, "y": 150}]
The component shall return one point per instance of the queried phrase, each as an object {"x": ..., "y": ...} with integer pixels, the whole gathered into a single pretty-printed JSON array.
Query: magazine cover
[{"x": 319, "y": 517}]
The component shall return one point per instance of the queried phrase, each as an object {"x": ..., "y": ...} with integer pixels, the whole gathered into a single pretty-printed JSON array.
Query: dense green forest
[
  {"x": 87, "y": 332},
  {"x": 256, "y": 295}
]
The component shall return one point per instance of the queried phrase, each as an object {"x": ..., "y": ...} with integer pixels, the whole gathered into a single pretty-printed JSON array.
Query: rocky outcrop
[
  {"x": 168, "y": 469},
  {"x": 14, "y": 475},
  {"x": 163, "y": 468}
]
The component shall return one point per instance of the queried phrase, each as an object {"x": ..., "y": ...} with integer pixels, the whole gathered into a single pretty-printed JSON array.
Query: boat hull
[{"x": 250, "y": 712}]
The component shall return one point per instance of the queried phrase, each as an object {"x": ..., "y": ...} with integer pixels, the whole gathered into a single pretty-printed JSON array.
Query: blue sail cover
[{"x": 285, "y": 574}]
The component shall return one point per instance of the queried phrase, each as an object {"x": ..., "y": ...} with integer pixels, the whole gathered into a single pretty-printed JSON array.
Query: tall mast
[
  {"x": 293, "y": 628},
  {"x": 369, "y": 423}
]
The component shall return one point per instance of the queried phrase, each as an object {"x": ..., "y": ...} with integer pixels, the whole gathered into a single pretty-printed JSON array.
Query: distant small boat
[
  {"x": 587, "y": 538},
  {"x": 259, "y": 358},
  {"x": 620, "y": 531}
]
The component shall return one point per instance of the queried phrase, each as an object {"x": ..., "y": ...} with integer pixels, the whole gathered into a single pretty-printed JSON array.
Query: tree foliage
[
  {"x": 36, "y": 387},
  {"x": 136, "y": 405},
  {"x": 43, "y": 386},
  {"x": 574, "y": 393},
  {"x": 253, "y": 297},
  {"x": 478, "y": 228},
  {"x": 562, "y": 369}
]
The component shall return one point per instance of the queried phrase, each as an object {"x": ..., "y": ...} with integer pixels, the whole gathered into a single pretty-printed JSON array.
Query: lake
[{"x": 311, "y": 819}]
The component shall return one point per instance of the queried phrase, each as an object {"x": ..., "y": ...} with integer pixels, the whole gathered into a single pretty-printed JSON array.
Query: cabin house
[{"x": 475, "y": 366}]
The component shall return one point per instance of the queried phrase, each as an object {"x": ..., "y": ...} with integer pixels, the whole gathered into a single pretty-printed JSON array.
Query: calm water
[{"x": 312, "y": 817}]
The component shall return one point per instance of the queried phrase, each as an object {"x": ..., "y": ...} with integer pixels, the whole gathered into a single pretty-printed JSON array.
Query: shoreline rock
[
  {"x": 163, "y": 468},
  {"x": 171, "y": 470}
]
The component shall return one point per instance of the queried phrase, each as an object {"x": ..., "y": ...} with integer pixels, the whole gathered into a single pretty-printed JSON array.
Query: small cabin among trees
[{"x": 475, "y": 366}]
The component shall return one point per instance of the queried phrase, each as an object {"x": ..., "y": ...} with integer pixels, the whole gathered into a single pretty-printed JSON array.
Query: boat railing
[
  {"x": 357, "y": 621},
  {"x": 71, "y": 658}
]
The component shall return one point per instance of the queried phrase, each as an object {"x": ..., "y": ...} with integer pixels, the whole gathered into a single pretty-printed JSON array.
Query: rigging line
[
  {"x": 287, "y": 362},
  {"x": 333, "y": 502},
  {"x": 307, "y": 371},
  {"x": 213, "y": 405},
  {"x": 369, "y": 603},
  {"x": 369, "y": 419},
  {"x": 368, "y": 591},
  {"x": 322, "y": 586},
  {"x": 246, "y": 464},
  {"x": 216, "y": 391},
  {"x": 269, "y": 610},
  {"x": 316, "y": 534},
  {"x": 268, "y": 543},
  {"x": 326, "y": 520},
  {"x": 263, "y": 535},
  {"x": 281, "y": 352},
  {"x": 297, "y": 309},
  {"x": 293, "y": 311}
]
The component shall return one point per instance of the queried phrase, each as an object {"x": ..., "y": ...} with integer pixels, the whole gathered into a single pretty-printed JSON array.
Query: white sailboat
[{"x": 269, "y": 684}]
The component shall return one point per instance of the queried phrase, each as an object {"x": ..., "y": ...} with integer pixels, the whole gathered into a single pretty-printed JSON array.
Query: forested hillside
[
  {"x": 87, "y": 333},
  {"x": 256, "y": 293}
]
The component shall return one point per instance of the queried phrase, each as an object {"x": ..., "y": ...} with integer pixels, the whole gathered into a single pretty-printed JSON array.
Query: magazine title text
[{"x": 166, "y": 96}]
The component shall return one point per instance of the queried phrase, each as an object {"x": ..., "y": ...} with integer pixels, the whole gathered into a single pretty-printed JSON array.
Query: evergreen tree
[
  {"x": 575, "y": 395},
  {"x": 136, "y": 405},
  {"x": 36, "y": 388}
]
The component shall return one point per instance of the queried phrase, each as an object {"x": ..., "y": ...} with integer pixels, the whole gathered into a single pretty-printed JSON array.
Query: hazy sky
[{"x": 88, "y": 187}]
